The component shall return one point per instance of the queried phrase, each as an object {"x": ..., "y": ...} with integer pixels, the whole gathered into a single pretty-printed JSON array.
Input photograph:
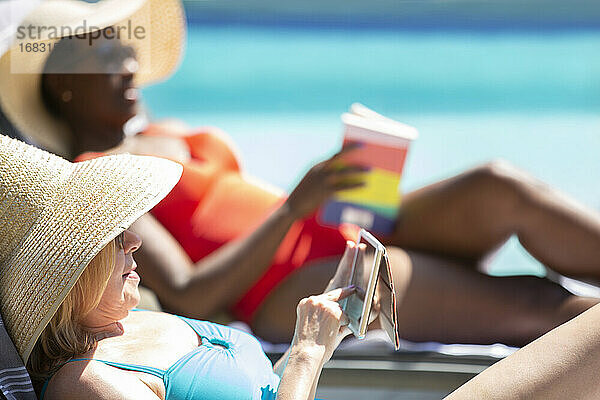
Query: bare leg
[
  {"x": 469, "y": 215},
  {"x": 446, "y": 302},
  {"x": 439, "y": 300},
  {"x": 563, "y": 364}
]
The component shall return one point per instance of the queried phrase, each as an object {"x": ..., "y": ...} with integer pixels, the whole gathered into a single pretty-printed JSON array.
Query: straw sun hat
[
  {"x": 158, "y": 54},
  {"x": 55, "y": 216}
]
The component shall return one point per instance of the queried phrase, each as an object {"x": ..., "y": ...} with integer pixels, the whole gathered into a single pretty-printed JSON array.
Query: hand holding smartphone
[{"x": 371, "y": 274}]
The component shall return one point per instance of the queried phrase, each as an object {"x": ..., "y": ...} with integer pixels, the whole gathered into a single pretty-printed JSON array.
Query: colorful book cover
[{"x": 384, "y": 146}]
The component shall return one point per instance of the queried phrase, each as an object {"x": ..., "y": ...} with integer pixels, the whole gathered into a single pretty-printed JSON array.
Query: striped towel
[{"x": 14, "y": 379}]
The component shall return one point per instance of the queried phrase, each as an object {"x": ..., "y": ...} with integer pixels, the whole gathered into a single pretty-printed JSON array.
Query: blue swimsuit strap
[{"x": 129, "y": 367}]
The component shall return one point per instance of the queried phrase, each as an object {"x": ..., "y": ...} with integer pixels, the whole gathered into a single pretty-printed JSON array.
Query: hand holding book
[
  {"x": 383, "y": 148},
  {"x": 324, "y": 180}
]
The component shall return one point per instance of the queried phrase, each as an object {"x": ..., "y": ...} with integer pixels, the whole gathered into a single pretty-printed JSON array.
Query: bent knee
[
  {"x": 502, "y": 176},
  {"x": 398, "y": 256},
  {"x": 401, "y": 267},
  {"x": 498, "y": 171}
]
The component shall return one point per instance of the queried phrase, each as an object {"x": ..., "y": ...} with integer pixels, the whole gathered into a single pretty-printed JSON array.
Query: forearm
[
  {"x": 301, "y": 374},
  {"x": 279, "y": 366},
  {"x": 316, "y": 336},
  {"x": 220, "y": 279},
  {"x": 563, "y": 363},
  {"x": 217, "y": 281}
]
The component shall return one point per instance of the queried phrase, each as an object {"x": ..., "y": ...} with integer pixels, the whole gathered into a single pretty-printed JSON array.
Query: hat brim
[
  {"x": 91, "y": 203},
  {"x": 20, "y": 71}
]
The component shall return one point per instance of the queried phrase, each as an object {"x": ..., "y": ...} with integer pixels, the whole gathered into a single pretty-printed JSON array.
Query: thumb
[
  {"x": 344, "y": 321},
  {"x": 349, "y": 251},
  {"x": 345, "y": 264},
  {"x": 340, "y": 293}
]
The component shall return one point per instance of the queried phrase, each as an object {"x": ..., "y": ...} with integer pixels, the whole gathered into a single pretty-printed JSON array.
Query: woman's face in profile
[{"x": 121, "y": 293}]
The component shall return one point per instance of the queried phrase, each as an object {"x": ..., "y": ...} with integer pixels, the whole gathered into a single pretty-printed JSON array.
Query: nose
[
  {"x": 125, "y": 74},
  {"x": 132, "y": 242}
]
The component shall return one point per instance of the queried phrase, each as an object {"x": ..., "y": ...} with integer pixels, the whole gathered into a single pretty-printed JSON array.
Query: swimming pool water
[{"x": 532, "y": 99}]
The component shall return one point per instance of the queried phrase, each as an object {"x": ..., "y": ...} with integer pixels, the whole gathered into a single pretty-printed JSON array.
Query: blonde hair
[{"x": 64, "y": 336}]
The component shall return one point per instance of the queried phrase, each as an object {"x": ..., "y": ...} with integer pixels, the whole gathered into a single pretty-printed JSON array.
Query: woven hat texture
[
  {"x": 20, "y": 85},
  {"x": 55, "y": 216}
]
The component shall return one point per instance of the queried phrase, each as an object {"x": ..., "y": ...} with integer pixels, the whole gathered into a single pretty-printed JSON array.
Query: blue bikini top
[{"x": 229, "y": 364}]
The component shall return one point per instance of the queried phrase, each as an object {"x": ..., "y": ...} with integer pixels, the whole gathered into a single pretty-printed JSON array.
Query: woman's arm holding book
[{"x": 216, "y": 282}]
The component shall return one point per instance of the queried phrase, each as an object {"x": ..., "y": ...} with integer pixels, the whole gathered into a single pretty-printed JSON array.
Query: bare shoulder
[
  {"x": 95, "y": 380},
  {"x": 159, "y": 323},
  {"x": 154, "y": 317}
]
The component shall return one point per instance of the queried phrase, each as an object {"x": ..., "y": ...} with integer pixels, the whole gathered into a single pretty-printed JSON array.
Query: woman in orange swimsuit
[{"x": 221, "y": 242}]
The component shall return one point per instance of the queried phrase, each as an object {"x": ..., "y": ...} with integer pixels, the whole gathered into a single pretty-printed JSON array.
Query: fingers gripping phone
[{"x": 371, "y": 274}]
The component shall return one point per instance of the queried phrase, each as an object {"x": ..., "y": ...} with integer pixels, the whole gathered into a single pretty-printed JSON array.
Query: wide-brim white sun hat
[
  {"x": 55, "y": 216},
  {"x": 158, "y": 51}
]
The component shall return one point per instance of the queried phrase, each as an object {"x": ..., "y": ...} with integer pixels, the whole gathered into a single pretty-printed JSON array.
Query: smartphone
[{"x": 368, "y": 273}]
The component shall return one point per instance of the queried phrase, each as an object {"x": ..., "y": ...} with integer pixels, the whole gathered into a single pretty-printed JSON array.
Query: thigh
[
  {"x": 465, "y": 216},
  {"x": 449, "y": 301},
  {"x": 432, "y": 294},
  {"x": 439, "y": 299}
]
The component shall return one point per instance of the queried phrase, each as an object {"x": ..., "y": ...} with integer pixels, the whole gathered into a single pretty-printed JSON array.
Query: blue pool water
[{"x": 533, "y": 99}]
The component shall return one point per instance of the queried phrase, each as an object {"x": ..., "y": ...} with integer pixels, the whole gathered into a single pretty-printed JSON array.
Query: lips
[
  {"x": 131, "y": 274},
  {"x": 130, "y": 94}
]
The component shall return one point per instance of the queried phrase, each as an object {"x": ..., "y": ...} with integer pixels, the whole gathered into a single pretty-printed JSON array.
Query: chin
[
  {"x": 129, "y": 111},
  {"x": 136, "y": 302},
  {"x": 116, "y": 140},
  {"x": 133, "y": 299}
]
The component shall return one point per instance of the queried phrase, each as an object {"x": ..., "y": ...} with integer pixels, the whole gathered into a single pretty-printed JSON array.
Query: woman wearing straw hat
[
  {"x": 68, "y": 284},
  {"x": 221, "y": 242}
]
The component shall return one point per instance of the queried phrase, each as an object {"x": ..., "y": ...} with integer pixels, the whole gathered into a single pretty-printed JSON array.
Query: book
[{"x": 384, "y": 145}]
